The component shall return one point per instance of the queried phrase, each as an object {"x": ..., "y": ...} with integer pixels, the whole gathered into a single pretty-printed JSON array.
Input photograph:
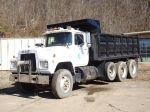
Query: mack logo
[{"x": 25, "y": 51}]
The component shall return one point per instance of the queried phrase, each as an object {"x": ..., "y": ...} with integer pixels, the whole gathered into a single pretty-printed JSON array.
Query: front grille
[{"x": 27, "y": 57}]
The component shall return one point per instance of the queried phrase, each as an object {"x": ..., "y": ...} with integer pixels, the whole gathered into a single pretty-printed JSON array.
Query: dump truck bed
[{"x": 108, "y": 46}]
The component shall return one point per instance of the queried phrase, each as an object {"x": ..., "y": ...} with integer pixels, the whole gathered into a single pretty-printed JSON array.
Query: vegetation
[{"x": 30, "y": 17}]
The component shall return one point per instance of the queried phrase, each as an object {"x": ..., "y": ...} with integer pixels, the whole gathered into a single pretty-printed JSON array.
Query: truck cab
[
  {"x": 74, "y": 42},
  {"x": 63, "y": 49},
  {"x": 61, "y": 46}
]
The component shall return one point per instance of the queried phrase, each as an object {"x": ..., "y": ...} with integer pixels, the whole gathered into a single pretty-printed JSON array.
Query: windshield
[{"x": 59, "y": 39}]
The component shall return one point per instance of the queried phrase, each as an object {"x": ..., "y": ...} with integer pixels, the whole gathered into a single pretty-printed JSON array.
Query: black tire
[
  {"x": 24, "y": 87},
  {"x": 110, "y": 70},
  {"x": 121, "y": 71},
  {"x": 132, "y": 68},
  {"x": 62, "y": 83}
]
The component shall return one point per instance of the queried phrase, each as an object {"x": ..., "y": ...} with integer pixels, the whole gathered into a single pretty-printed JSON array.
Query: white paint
[
  {"x": 80, "y": 53},
  {"x": 11, "y": 51},
  {"x": 4, "y": 55},
  {"x": 76, "y": 53},
  {"x": 11, "y": 46}
]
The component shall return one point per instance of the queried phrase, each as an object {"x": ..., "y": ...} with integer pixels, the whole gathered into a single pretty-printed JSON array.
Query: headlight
[
  {"x": 13, "y": 65},
  {"x": 43, "y": 64}
]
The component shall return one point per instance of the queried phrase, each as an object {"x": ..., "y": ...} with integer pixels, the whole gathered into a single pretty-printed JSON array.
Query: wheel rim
[
  {"x": 65, "y": 84},
  {"x": 133, "y": 69},
  {"x": 111, "y": 71},
  {"x": 123, "y": 72}
]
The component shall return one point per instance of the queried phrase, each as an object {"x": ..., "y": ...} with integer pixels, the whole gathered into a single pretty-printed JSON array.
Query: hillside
[{"x": 29, "y": 17}]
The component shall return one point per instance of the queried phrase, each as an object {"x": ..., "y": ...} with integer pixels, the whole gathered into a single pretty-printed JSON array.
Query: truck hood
[{"x": 47, "y": 52}]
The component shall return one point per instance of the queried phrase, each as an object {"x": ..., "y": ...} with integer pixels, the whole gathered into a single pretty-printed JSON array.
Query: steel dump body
[{"x": 107, "y": 46}]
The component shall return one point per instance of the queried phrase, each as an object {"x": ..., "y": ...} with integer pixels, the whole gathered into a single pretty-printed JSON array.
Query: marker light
[
  {"x": 69, "y": 27},
  {"x": 54, "y": 55},
  {"x": 55, "y": 28},
  {"x": 51, "y": 29}
]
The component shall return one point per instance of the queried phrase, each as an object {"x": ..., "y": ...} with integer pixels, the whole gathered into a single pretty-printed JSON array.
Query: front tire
[
  {"x": 62, "y": 83},
  {"x": 24, "y": 87},
  {"x": 121, "y": 71}
]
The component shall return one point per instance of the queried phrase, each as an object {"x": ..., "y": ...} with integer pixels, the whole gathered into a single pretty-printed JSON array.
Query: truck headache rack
[{"x": 89, "y": 25}]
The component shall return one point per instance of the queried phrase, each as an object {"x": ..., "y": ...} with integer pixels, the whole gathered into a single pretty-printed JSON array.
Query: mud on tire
[
  {"x": 110, "y": 70},
  {"x": 121, "y": 71},
  {"x": 62, "y": 83},
  {"x": 132, "y": 68}
]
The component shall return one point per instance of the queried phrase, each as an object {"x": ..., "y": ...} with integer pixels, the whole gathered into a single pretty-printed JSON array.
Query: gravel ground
[{"x": 132, "y": 95}]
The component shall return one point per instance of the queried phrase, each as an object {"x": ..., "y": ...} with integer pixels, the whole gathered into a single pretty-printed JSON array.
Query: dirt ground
[{"x": 132, "y": 95}]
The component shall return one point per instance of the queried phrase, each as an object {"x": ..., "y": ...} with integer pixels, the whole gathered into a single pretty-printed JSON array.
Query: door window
[{"x": 79, "y": 39}]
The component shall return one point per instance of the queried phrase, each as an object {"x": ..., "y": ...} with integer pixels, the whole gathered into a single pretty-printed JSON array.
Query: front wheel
[{"x": 62, "y": 83}]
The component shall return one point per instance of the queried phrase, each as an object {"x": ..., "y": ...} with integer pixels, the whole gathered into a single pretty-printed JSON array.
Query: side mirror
[
  {"x": 39, "y": 45},
  {"x": 88, "y": 45},
  {"x": 88, "y": 39}
]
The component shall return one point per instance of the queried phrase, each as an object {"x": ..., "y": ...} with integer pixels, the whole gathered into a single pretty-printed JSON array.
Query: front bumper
[
  {"x": 28, "y": 78},
  {"x": 35, "y": 79}
]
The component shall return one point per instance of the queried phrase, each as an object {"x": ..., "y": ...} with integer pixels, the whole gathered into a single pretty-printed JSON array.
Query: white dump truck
[{"x": 74, "y": 52}]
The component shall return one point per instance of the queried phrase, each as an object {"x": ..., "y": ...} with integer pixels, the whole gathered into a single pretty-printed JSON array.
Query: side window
[
  {"x": 51, "y": 40},
  {"x": 79, "y": 39}
]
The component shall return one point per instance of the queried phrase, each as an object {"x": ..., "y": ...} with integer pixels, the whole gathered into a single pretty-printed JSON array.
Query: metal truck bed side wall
[{"x": 107, "y": 46}]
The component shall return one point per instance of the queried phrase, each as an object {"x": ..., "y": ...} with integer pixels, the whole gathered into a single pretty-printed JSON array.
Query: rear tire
[
  {"x": 24, "y": 87},
  {"x": 121, "y": 71},
  {"x": 62, "y": 83},
  {"x": 132, "y": 68},
  {"x": 110, "y": 70}
]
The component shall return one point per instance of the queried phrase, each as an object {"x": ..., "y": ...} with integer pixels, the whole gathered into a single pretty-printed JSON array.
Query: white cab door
[{"x": 80, "y": 50}]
